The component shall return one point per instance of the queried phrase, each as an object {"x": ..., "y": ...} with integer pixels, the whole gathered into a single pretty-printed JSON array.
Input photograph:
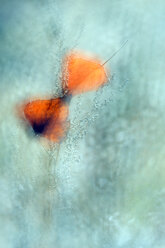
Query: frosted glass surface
[{"x": 106, "y": 187}]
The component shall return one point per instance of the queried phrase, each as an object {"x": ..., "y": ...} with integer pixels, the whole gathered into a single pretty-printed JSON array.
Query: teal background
[{"x": 107, "y": 187}]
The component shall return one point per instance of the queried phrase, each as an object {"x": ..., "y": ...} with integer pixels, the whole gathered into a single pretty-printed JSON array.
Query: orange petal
[
  {"x": 48, "y": 118},
  {"x": 81, "y": 74}
]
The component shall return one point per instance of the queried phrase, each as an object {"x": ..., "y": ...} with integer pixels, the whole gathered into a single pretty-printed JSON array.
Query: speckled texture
[{"x": 104, "y": 187}]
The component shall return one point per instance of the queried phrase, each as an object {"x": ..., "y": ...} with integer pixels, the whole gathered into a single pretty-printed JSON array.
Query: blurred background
[{"x": 107, "y": 187}]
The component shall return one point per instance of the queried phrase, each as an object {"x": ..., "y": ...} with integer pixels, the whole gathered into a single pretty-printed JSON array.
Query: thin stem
[
  {"x": 115, "y": 53},
  {"x": 51, "y": 175}
]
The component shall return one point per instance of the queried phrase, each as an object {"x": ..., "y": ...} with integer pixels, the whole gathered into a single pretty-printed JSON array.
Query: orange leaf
[{"x": 81, "y": 74}]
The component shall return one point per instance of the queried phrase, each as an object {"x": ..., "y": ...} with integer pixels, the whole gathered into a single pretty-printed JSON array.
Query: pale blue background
[{"x": 108, "y": 185}]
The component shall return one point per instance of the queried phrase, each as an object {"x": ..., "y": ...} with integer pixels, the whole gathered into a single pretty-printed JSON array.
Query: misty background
[{"x": 106, "y": 189}]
